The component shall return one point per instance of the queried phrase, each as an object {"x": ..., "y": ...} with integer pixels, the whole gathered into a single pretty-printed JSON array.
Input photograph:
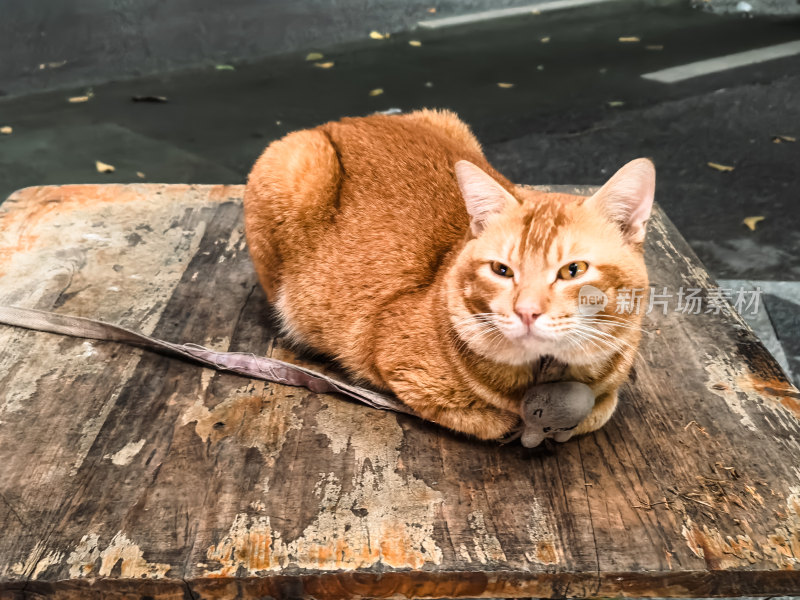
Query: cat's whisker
[
  {"x": 579, "y": 341},
  {"x": 477, "y": 337},
  {"x": 580, "y": 325},
  {"x": 604, "y": 318},
  {"x": 480, "y": 318},
  {"x": 473, "y": 328},
  {"x": 609, "y": 341},
  {"x": 611, "y": 322},
  {"x": 477, "y": 316},
  {"x": 585, "y": 325},
  {"x": 626, "y": 328}
]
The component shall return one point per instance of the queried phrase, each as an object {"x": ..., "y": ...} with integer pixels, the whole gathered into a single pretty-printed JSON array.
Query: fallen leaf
[
  {"x": 629, "y": 39},
  {"x": 505, "y": 85},
  {"x": 376, "y": 92},
  {"x": 6, "y": 130},
  {"x": 324, "y": 65},
  {"x": 78, "y": 99},
  {"x": 225, "y": 68},
  {"x": 616, "y": 103},
  {"x": 377, "y": 35},
  {"x": 544, "y": 40},
  {"x": 415, "y": 43},
  {"x": 752, "y": 221},
  {"x": 140, "y": 175},
  {"x": 103, "y": 167},
  {"x": 432, "y": 10},
  {"x": 161, "y": 99},
  {"x": 52, "y": 65},
  {"x": 314, "y": 56},
  {"x": 719, "y": 167},
  {"x": 654, "y": 47},
  {"x": 779, "y": 139}
]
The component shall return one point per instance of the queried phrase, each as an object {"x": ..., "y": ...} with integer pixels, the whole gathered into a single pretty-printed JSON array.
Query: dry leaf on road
[
  {"x": 52, "y": 65},
  {"x": 140, "y": 175},
  {"x": 616, "y": 103},
  {"x": 779, "y": 139},
  {"x": 415, "y": 43},
  {"x": 6, "y": 130},
  {"x": 324, "y": 65},
  {"x": 377, "y": 35},
  {"x": 78, "y": 99},
  {"x": 544, "y": 40},
  {"x": 314, "y": 56},
  {"x": 103, "y": 167},
  {"x": 225, "y": 68},
  {"x": 629, "y": 39},
  {"x": 719, "y": 167},
  {"x": 505, "y": 85},
  {"x": 376, "y": 92},
  {"x": 752, "y": 221}
]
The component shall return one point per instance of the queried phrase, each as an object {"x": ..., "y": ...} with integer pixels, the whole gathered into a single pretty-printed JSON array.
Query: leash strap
[{"x": 249, "y": 365}]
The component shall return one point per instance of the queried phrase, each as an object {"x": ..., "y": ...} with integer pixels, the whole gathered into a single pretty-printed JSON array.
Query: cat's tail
[{"x": 291, "y": 193}]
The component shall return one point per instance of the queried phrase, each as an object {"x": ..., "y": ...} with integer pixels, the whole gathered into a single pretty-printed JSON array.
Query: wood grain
[{"x": 127, "y": 474}]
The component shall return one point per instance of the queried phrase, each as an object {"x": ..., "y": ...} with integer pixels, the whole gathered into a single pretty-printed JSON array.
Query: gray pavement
[
  {"x": 578, "y": 109},
  {"x": 48, "y": 44}
]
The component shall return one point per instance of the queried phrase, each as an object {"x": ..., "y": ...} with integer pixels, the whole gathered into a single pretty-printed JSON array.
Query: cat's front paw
[{"x": 554, "y": 410}]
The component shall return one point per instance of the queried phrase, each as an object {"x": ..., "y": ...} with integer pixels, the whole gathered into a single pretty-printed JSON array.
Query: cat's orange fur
[{"x": 374, "y": 252}]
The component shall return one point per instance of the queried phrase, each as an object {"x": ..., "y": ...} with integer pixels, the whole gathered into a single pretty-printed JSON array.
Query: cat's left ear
[
  {"x": 483, "y": 196},
  {"x": 627, "y": 198}
]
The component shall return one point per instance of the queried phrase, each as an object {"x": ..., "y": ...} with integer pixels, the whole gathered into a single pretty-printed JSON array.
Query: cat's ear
[
  {"x": 627, "y": 198},
  {"x": 483, "y": 196}
]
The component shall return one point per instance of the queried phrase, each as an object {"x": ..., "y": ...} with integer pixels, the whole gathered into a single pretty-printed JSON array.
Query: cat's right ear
[
  {"x": 627, "y": 198},
  {"x": 483, "y": 196}
]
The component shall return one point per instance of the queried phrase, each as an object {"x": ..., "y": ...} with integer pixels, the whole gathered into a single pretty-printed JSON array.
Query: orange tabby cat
[{"x": 391, "y": 244}]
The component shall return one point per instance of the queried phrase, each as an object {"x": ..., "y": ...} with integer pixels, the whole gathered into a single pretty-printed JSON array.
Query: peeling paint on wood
[
  {"x": 745, "y": 391},
  {"x": 130, "y": 558},
  {"x": 125, "y": 455},
  {"x": 485, "y": 545},
  {"x": 545, "y": 550},
  {"x": 127, "y": 473}
]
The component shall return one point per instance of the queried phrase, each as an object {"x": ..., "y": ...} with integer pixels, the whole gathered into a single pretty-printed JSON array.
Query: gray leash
[{"x": 249, "y": 365}]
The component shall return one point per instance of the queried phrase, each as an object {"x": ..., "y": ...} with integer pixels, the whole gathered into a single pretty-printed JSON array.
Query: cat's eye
[
  {"x": 573, "y": 270},
  {"x": 501, "y": 269}
]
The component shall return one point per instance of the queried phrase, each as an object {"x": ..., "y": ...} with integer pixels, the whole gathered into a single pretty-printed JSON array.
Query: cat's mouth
[{"x": 541, "y": 330}]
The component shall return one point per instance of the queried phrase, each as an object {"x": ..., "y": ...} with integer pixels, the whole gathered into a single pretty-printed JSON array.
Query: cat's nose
[{"x": 527, "y": 314}]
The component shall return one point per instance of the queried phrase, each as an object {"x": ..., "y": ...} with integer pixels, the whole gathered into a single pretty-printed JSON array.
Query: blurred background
[{"x": 559, "y": 92}]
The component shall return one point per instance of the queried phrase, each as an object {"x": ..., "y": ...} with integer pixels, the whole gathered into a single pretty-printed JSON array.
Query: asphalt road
[{"x": 578, "y": 109}]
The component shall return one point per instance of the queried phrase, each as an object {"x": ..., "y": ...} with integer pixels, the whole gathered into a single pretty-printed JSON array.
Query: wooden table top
[{"x": 126, "y": 473}]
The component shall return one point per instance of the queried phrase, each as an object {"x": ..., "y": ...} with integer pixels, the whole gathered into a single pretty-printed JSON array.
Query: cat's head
[{"x": 538, "y": 267}]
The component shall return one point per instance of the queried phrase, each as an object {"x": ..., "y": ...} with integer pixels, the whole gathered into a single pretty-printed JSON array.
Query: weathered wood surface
[{"x": 133, "y": 475}]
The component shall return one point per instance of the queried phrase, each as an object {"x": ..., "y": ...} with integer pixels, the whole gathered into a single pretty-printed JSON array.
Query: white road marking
[
  {"x": 723, "y": 63},
  {"x": 513, "y": 11}
]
